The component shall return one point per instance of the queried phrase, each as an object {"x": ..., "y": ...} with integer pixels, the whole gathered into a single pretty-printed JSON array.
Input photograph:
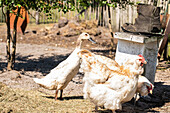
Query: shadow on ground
[
  {"x": 159, "y": 98},
  {"x": 65, "y": 98},
  {"x": 42, "y": 64}
]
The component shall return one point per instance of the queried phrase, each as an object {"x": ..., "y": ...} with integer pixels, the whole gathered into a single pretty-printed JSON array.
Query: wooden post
[
  {"x": 37, "y": 17},
  {"x": 130, "y": 14},
  {"x": 98, "y": 14},
  {"x": 96, "y": 11},
  {"x": 117, "y": 18},
  {"x": 110, "y": 28},
  {"x": 164, "y": 44},
  {"x": 121, "y": 18},
  {"x": 165, "y": 55},
  {"x": 102, "y": 16},
  {"x": 86, "y": 14},
  {"x": 89, "y": 14}
]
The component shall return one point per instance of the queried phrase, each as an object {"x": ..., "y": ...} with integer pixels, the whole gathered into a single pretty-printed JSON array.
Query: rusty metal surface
[{"x": 22, "y": 21}]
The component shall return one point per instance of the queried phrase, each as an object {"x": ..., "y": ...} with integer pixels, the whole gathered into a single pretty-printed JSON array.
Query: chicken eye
[
  {"x": 141, "y": 62},
  {"x": 86, "y": 34}
]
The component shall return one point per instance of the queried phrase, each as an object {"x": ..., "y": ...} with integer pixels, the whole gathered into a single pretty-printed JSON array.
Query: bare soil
[{"x": 38, "y": 53}]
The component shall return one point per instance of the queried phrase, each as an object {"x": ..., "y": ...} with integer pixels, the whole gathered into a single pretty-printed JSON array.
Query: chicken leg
[
  {"x": 61, "y": 93},
  {"x": 56, "y": 94}
]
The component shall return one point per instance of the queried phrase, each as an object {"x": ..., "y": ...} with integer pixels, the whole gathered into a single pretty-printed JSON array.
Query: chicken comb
[{"x": 143, "y": 59}]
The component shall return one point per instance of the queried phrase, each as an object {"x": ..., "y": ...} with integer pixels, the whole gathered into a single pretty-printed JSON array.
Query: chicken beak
[
  {"x": 144, "y": 62},
  {"x": 150, "y": 92},
  {"x": 90, "y": 39}
]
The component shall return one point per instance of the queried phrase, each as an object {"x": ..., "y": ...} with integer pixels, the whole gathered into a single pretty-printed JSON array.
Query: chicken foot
[{"x": 96, "y": 109}]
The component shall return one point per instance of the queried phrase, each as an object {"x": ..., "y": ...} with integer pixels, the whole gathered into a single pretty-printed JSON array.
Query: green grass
[{"x": 1, "y": 24}]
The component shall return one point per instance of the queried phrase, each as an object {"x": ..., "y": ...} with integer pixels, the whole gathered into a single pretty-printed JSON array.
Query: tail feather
[
  {"x": 37, "y": 80},
  {"x": 48, "y": 84}
]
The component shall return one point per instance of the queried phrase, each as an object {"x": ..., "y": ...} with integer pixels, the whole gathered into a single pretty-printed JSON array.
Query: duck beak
[{"x": 90, "y": 39}]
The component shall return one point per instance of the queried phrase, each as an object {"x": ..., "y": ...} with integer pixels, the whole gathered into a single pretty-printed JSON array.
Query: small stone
[{"x": 62, "y": 22}]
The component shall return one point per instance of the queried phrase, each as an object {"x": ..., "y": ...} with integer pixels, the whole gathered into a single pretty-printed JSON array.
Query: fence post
[
  {"x": 37, "y": 17},
  {"x": 117, "y": 18}
]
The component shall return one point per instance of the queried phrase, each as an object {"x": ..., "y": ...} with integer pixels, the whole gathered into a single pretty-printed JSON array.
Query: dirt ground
[{"x": 40, "y": 50}]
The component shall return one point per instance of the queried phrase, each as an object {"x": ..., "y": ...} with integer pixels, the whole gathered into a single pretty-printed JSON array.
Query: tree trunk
[
  {"x": 8, "y": 39},
  {"x": 12, "y": 56}
]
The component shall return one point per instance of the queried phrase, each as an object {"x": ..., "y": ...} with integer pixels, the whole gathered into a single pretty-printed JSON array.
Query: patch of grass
[
  {"x": 17, "y": 100},
  {"x": 1, "y": 24}
]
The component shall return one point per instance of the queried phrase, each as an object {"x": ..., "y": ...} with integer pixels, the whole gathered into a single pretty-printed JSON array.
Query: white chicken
[
  {"x": 109, "y": 87},
  {"x": 60, "y": 76},
  {"x": 144, "y": 86}
]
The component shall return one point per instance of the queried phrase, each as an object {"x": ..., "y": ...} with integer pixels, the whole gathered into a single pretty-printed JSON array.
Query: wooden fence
[{"x": 118, "y": 15}]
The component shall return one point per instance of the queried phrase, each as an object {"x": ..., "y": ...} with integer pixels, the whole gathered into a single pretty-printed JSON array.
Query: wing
[
  {"x": 63, "y": 64},
  {"x": 71, "y": 62},
  {"x": 99, "y": 68},
  {"x": 65, "y": 68},
  {"x": 91, "y": 66},
  {"x": 110, "y": 63}
]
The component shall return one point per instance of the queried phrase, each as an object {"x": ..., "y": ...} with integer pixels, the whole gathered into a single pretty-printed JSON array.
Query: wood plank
[{"x": 165, "y": 39}]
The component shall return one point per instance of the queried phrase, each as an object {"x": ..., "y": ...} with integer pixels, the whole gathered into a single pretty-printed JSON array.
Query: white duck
[
  {"x": 109, "y": 87},
  {"x": 60, "y": 76}
]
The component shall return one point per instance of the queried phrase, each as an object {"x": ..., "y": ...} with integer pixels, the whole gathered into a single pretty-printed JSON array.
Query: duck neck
[{"x": 79, "y": 44}]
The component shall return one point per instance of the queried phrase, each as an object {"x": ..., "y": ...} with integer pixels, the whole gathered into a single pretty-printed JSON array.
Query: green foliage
[{"x": 62, "y": 5}]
